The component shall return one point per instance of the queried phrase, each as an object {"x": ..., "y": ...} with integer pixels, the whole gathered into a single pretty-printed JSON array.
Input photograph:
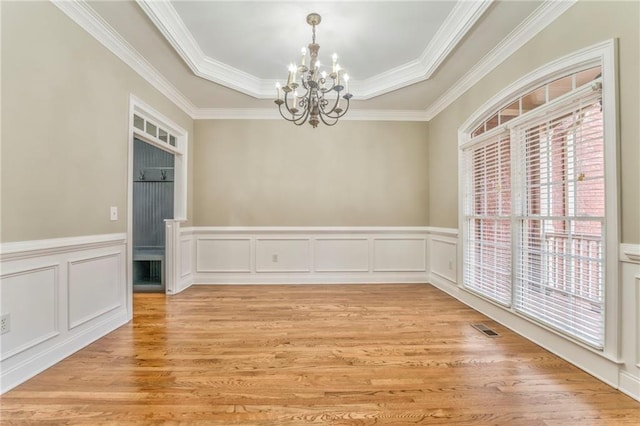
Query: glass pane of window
[
  {"x": 172, "y": 140},
  {"x": 533, "y": 99},
  {"x": 152, "y": 129},
  {"x": 560, "y": 87},
  {"x": 138, "y": 122},
  {"x": 559, "y": 278},
  {"x": 509, "y": 112},
  {"x": 492, "y": 122},
  {"x": 586, "y": 76},
  {"x": 163, "y": 135},
  {"x": 487, "y": 257},
  {"x": 478, "y": 131}
]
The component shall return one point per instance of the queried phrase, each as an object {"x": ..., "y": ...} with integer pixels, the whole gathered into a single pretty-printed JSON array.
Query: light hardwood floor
[{"x": 293, "y": 355}]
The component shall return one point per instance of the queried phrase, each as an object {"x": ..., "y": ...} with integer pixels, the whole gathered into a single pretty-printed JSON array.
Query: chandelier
[{"x": 315, "y": 101}]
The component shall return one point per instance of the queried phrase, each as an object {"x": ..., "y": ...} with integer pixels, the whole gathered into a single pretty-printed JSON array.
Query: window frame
[{"x": 603, "y": 54}]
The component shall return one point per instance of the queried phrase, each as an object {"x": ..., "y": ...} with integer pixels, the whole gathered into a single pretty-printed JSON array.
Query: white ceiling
[
  {"x": 263, "y": 38},
  {"x": 401, "y": 55}
]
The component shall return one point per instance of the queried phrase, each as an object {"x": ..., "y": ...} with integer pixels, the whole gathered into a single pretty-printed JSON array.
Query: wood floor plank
[{"x": 293, "y": 355}]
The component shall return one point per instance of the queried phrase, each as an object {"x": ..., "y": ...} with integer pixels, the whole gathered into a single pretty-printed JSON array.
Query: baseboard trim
[
  {"x": 445, "y": 285},
  {"x": 291, "y": 279},
  {"x": 630, "y": 385}
]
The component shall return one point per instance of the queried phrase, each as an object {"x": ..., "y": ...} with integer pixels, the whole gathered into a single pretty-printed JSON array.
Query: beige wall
[
  {"x": 65, "y": 106},
  {"x": 585, "y": 24},
  {"x": 272, "y": 173},
  {"x": 64, "y": 139}
]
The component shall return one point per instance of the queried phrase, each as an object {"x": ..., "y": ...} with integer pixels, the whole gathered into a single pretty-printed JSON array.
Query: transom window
[
  {"x": 537, "y": 97},
  {"x": 534, "y": 181},
  {"x": 150, "y": 128}
]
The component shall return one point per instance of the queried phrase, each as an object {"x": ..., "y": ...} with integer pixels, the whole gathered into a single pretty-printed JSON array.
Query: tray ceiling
[{"x": 227, "y": 55}]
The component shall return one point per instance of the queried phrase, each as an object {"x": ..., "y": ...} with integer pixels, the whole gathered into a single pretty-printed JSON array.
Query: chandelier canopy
[{"x": 322, "y": 93}]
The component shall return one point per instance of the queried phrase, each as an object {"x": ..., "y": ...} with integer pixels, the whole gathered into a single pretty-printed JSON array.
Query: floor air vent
[{"x": 485, "y": 330}]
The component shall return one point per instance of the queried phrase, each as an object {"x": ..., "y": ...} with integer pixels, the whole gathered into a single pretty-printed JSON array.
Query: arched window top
[
  {"x": 534, "y": 98},
  {"x": 543, "y": 87}
]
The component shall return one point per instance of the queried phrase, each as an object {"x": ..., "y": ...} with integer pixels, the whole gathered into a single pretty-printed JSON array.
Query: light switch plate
[{"x": 113, "y": 213}]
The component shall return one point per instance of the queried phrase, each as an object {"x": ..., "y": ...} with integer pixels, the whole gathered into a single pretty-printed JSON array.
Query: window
[
  {"x": 535, "y": 205},
  {"x": 560, "y": 222},
  {"x": 156, "y": 133},
  {"x": 488, "y": 213}
]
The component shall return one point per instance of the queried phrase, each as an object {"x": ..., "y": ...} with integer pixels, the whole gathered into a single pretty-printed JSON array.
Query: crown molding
[
  {"x": 165, "y": 17},
  {"x": 273, "y": 114},
  {"x": 459, "y": 21},
  {"x": 544, "y": 15},
  {"x": 82, "y": 14}
]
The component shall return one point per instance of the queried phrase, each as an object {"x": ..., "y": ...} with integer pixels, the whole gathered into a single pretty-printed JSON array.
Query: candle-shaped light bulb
[
  {"x": 278, "y": 90},
  {"x": 337, "y": 72},
  {"x": 334, "y": 58},
  {"x": 346, "y": 81},
  {"x": 292, "y": 74},
  {"x": 303, "y": 61},
  {"x": 289, "y": 77}
]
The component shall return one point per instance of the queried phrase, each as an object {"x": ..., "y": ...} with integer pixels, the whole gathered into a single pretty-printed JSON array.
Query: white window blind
[
  {"x": 559, "y": 270},
  {"x": 487, "y": 216}
]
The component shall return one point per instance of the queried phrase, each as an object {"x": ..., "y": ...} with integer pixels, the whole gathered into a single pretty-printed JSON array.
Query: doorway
[
  {"x": 152, "y": 128},
  {"x": 153, "y": 202}
]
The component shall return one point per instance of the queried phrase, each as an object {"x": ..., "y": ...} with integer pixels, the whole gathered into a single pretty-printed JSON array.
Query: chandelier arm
[
  {"x": 332, "y": 109},
  {"x": 345, "y": 110},
  {"x": 286, "y": 104},
  {"x": 302, "y": 119},
  {"x": 329, "y": 89},
  {"x": 284, "y": 116},
  {"x": 307, "y": 92},
  {"x": 293, "y": 118},
  {"x": 322, "y": 118}
]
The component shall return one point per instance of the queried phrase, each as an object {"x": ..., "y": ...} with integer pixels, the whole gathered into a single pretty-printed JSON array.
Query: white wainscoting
[
  {"x": 400, "y": 254},
  {"x": 443, "y": 257},
  {"x": 178, "y": 257},
  {"x": 94, "y": 287},
  {"x": 61, "y": 295},
  {"x": 186, "y": 256},
  {"x": 284, "y": 255},
  {"x": 214, "y": 254},
  {"x": 34, "y": 322},
  {"x": 341, "y": 254},
  {"x": 630, "y": 276}
]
